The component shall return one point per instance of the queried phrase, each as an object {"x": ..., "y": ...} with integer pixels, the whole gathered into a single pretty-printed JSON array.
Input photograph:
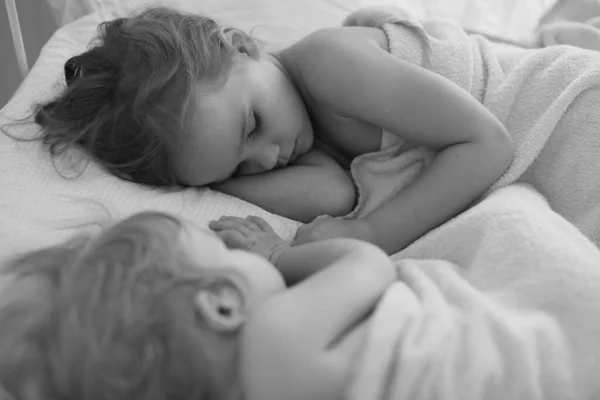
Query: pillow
[
  {"x": 39, "y": 207},
  {"x": 512, "y": 18}
]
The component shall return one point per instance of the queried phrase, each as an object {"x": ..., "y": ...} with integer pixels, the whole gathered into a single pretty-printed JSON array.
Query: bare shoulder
[
  {"x": 324, "y": 60},
  {"x": 330, "y": 39},
  {"x": 273, "y": 351},
  {"x": 320, "y": 51}
]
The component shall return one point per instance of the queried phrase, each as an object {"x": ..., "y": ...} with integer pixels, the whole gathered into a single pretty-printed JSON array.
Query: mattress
[{"x": 42, "y": 203}]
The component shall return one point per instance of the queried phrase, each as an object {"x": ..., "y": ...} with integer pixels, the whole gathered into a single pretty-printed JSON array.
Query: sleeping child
[
  {"x": 390, "y": 125},
  {"x": 156, "y": 307}
]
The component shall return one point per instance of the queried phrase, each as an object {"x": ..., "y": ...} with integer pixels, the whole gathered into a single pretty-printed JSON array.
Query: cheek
[{"x": 206, "y": 167}]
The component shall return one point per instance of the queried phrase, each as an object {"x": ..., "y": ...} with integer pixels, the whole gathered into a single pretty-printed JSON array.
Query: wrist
[
  {"x": 367, "y": 230},
  {"x": 275, "y": 256}
]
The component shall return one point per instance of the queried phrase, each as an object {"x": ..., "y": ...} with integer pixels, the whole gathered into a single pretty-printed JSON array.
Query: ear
[
  {"x": 222, "y": 306},
  {"x": 243, "y": 43}
]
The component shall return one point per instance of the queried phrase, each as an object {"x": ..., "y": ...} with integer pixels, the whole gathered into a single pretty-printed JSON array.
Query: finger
[
  {"x": 229, "y": 225},
  {"x": 232, "y": 218},
  {"x": 301, "y": 239},
  {"x": 303, "y": 236},
  {"x": 252, "y": 225},
  {"x": 233, "y": 239},
  {"x": 261, "y": 223},
  {"x": 242, "y": 221},
  {"x": 227, "y": 222},
  {"x": 303, "y": 230}
]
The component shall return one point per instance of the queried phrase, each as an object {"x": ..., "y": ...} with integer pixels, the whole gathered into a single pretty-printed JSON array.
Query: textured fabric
[
  {"x": 512, "y": 312},
  {"x": 38, "y": 207},
  {"x": 548, "y": 99}
]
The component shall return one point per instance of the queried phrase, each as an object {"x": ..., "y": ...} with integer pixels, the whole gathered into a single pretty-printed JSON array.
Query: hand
[
  {"x": 252, "y": 234},
  {"x": 334, "y": 228}
]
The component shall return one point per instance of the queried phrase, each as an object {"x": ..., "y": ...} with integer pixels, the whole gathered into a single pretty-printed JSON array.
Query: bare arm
[
  {"x": 363, "y": 81},
  {"x": 343, "y": 277},
  {"x": 315, "y": 185},
  {"x": 344, "y": 280},
  {"x": 296, "y": 263},
  {"x": 301, "y": 327}
]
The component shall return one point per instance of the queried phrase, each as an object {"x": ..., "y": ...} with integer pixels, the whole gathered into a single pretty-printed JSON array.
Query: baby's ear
[
  {"x": 221, "y": 305},
  {"x": 242, "y": 42}
]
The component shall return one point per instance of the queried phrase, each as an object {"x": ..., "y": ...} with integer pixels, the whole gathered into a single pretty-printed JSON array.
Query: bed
[
  {"x": 501, "y": 302},
  {"x": 39, "y": 207}
]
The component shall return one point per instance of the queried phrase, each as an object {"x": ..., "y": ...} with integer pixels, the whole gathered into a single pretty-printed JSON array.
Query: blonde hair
[
  {"x": 127, "y": 97},
  {"x": 110, "y": 317}
]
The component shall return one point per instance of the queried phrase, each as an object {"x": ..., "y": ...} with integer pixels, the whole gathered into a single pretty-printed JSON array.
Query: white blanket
[
  {"x": 515, "y": 310},
  {"x": 512, "y": 313},
  {"x": 38, "y": 207},
  {"x": 548, "y": 100}
]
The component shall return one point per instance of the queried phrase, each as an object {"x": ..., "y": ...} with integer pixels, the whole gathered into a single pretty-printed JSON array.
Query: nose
[{"x": 262, "y": 160}]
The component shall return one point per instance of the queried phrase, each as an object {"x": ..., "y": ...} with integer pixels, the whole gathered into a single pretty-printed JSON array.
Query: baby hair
[
  {"x": 106, "y": 318},
  {"x": 127, "y": 97}
]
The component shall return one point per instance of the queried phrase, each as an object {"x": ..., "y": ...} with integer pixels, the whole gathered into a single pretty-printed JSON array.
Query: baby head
[
  {"x": 150, "y": 309},
  {"x": 165, "y": 98}
]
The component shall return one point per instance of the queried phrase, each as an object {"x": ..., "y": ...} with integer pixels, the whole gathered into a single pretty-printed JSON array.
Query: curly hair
[
  {"x": 106, "y": 318},
  {"x": 127, "y": 97}
]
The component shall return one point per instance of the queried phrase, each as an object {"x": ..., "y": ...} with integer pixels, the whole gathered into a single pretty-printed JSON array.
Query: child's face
[{"x": 253, "y": 123}]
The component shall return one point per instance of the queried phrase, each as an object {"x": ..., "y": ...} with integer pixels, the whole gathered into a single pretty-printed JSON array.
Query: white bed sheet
[
  {"x": 38, "y": 207},
  {"x": 510, "y": 17}
]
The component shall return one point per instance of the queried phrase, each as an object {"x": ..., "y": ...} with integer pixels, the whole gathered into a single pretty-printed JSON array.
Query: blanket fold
[
  {"x": 512, "y": 312},
  {"x": 548, "y": 99}
]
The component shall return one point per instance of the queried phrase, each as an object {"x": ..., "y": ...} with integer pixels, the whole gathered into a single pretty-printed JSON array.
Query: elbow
[
  {"x": 337, "y": 198},
  {"x": 497, "y": 148},
  {"x": 340, "y": 198},
  {"x": 381, "y": 272}
]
